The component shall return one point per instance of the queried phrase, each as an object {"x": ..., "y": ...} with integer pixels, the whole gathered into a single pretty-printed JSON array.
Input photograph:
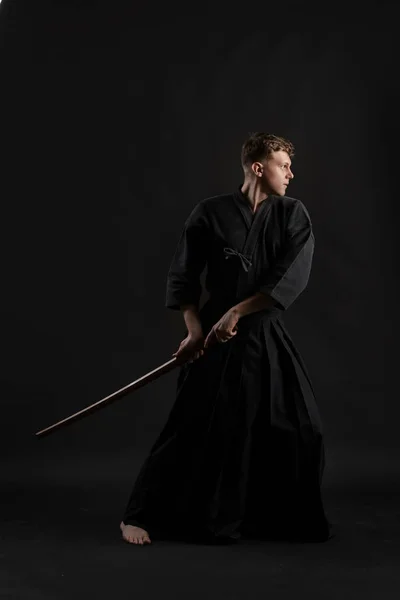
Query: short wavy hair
[{"x": 260, "y": 145}]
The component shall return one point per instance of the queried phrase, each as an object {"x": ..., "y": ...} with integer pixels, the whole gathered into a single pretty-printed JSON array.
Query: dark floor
[{"x": 60, "y": 539}]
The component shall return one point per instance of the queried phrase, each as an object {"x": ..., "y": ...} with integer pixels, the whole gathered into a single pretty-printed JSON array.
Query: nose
[{"x": 290, "y": 174}]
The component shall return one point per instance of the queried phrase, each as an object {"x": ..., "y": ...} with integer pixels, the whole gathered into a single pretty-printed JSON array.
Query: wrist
[
  {"x": 196, "y": 332},
  {"x": 237, "y": 311},
  {"x": 192, "y": 321}
]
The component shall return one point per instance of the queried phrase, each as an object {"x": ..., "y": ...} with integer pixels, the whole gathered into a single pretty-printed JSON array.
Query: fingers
[
  {"x": 214, "y": 335},
  {"x": 196, "y": 356},
  {"x": 209, "y": 338},
  {"x": 228, "y": 333},
  {"x": 224, "y": 335},
  {"x": 178, "y": 351},
  {"x": 185, "y": 355},
  {"x": 225, "y": 338},
  {"x": 219, "y": 335},
  {"x": 179, "y": 355}
]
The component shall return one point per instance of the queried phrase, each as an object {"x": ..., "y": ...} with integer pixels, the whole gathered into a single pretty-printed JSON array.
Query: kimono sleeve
[
  {"x": 188, "y": 262},
  {"x": 289, "y": 276}
]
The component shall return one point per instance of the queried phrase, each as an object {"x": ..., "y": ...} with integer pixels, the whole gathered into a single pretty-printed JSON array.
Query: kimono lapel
[
  {"x": 255, "y": 222},
  {"x": 244, "y": 208}
]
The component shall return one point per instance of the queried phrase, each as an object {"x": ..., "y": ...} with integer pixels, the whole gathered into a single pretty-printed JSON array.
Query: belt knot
[{"x": 246, "y": 262}]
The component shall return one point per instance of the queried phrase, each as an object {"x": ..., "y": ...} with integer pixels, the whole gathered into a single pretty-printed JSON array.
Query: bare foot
[{"x": 134, "y": 535}]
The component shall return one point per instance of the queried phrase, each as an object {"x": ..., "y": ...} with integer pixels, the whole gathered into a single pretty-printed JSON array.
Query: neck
[{"x": 252, "y": 190}]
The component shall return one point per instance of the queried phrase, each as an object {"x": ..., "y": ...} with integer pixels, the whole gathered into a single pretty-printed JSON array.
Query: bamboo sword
[{"x": 151, "y": 376}]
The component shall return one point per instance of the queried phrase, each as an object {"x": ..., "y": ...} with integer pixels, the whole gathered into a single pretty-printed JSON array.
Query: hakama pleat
[{"x": 242, "y": 451}]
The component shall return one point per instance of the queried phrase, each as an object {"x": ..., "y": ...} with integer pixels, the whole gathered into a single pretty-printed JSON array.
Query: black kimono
[{"x": 242, "y": 451}]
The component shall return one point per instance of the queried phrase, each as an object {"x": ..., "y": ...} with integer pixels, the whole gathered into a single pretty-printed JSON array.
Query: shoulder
[
  {"x": 288, "y": 202},
  {"x": 293, "y": 206},
  {"x": 211, "y": 202},
  {"x": 200, "y": 211},
  {"x": 207, "y": 208},
  {"x": 214, "y": 202}
]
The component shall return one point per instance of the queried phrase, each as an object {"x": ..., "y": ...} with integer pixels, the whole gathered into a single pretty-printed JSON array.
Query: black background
[{"x": 116, "y": 118}]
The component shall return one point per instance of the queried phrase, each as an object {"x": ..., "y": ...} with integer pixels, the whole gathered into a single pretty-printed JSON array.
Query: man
[{"x": 242, "y": 451}]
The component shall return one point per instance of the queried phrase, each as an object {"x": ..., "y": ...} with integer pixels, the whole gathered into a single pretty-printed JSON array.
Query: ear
[{"x": 257, "y": 169}]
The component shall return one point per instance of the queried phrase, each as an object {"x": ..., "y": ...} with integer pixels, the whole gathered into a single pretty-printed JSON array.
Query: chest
[{"x": 262, "y": 238}]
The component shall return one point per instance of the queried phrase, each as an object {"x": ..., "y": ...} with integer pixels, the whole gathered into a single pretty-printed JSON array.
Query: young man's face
[{"x": 275, "y": 172}]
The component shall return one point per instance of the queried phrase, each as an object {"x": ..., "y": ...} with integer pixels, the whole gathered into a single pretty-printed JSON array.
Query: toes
[{"x": 133, "y": 538}]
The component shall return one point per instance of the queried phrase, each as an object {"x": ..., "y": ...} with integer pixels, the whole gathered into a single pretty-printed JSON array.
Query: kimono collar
[{"x": 244, "y": 200}]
